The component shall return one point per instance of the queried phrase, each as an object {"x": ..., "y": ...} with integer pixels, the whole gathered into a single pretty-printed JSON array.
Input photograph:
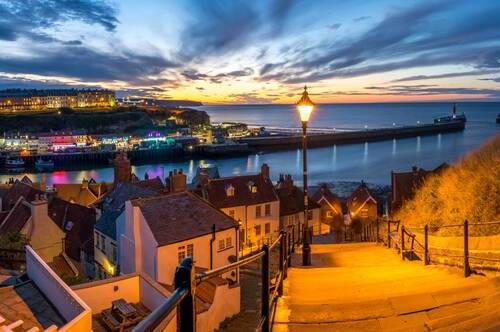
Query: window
[
  {"x": 181, "y": 253},
  {"x": 364, "y": 213},
  {"x": 113, "y": 253},
  {"x": 258, "y": 211},
  {"x": 97, "y": 240},
  {"x": 309, "y": 215},
  {"x": 229, "y": 190},
  {"x": 231, "y": 213},
  {"x": 229, "y": 242},
  {"x": 222, "y": 245},
  {"x": 329, "y": 214},
  {"x": 257, "y": 230},
  {"x": 103, "y": 243},
  {"x": 267, "y": 228},
  {"x": 267, "y": 210}
]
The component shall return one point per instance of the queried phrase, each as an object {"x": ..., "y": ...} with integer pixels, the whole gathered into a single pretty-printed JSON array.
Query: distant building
[
  {"x": 362, "y": 204},
  {"x": 19, "y": 100},
  {"x": 292, "y": 209},
  {"x": 404, "y": 184},
  {"x": 251, "y": 200},
  {"x": 331, "y": 207}
]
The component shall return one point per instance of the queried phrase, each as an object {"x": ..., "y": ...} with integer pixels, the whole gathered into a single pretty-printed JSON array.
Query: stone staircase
[{"x": 365, "y": 287}]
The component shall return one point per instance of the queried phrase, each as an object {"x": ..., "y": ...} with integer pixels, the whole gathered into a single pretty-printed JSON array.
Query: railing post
[
  {"x": 287, "y": 255},
  {"x": 466, "y": 249},
  {"x": 282, "y": 263},
  {"x": 293, "y": 238},
  {"x": 426, "y": 245},
  {"x": 402, "y": 247},
  {"x": 388, "y": 233},
  {"x": 186, "y": 311},
  {"x": 264, "y": 311},
  {"x": 376, "y": 235}
]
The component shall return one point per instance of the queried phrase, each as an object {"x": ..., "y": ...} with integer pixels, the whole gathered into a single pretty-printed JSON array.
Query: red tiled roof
[
  {"x": 181, "y": 216},
  {"x": 215, "y": 192},
  {"x": 16, "y": 218}
]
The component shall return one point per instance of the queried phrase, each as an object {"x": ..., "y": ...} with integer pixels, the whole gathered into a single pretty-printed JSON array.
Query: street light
[{"x": 305, "y": 107}]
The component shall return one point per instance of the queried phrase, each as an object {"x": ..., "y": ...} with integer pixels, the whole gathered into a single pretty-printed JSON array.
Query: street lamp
[{"x": 305, "y": 107}]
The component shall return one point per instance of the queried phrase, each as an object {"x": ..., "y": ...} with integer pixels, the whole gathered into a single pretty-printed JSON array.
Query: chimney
[
  {"x": 43, "y": 183},
  {"x": 177, "y": 181},
  {"x": 414, "y": 169},
  {"x": 85, "y": 184},
  {"x": 264, "y": 171},
  {"x": 39, "y": 209}
]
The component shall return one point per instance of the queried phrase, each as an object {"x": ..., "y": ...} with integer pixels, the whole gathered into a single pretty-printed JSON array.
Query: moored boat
[
  {"x": 498, "y": 118},
  {"x": 41, "y": 164},
  {"x": 14, "y": 163}
]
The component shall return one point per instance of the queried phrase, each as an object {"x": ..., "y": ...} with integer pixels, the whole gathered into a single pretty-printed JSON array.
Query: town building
[
  {"x": 362, "y": 205},
  {"x": 159, "y": 232},
  {"x": 86, "y": 193},
  {"x": 404, "y": 184},
  {"x": 292, "y": 209},
  {"x": 20, "y": 100},
  {"x": 251, "y": 200},
  {"x": 330, "y": 207}
]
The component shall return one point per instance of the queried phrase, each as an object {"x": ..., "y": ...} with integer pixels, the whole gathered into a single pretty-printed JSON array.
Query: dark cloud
[
  {"x": 250, "y": 98},
  {"x": 447, "y": 75},
  {"x": 27, "y": 18},
  {"x": 491, "y": 79},
  {"x": 335, "y": 26},
  {"x": 218, "y": 78},
  {"x": 361, "y": 18},
  {"x": 404, "y": 39}
]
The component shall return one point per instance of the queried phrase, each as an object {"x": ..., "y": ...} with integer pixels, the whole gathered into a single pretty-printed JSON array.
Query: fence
[
  {"x": 186, "y": 280},
  {"x": 405, "y": 240}
]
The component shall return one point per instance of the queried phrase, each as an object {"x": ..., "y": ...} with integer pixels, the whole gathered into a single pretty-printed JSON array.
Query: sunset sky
[{"x": 256, "y": 51}]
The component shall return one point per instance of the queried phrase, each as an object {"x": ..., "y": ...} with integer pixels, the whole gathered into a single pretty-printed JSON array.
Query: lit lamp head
[{"x": 305, "y": 106}]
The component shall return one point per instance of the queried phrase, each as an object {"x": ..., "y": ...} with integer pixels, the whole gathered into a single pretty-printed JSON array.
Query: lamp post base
[{"x": 306, "y": 249}]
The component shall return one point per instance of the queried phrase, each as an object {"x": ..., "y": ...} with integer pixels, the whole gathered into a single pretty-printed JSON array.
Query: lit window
[
  {"x": 258, "y": 211},
  {"x": 230, "y": 190},
  {"x": 267, "y": 228},
  {"x": 190, "y": 251},
  {"x": 364, "y": 213},
  {"x": 329, "y": 214},
  {"x": 309, "y": 215},
  {"x": 229, "y": 242},
  {"x": 181, "y": 253},
  {"x": 231, "y": 213},
  {"x": 222, "y": 245}
]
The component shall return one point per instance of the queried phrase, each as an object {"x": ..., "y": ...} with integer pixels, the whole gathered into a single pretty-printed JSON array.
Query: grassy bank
[{"x": 468, "y": 190}]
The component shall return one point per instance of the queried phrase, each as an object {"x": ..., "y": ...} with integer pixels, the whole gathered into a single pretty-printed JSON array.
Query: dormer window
[
  {"x": 252, "y": 187},
  {"x": 229, "y": 190}
]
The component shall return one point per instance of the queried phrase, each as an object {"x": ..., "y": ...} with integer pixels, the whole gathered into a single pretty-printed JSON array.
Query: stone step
[{"x": 487, "y": 319}]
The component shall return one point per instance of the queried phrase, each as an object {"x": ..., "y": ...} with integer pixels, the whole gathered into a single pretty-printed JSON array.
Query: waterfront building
[
  {"x": 331, "y": 208},
  {"x": 122, "y": 168},
  {"x": 159, "y": 232},
  {"x": 361, "y": 204},
  {"x": 18, "y": 100},
  {"x": 405, "y": 184},
  {"x": 251, "y": 200},
  {"x": 292, "y": 209}
]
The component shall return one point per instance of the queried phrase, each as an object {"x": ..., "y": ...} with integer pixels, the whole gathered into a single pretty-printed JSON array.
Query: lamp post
[{"x": 305, "y": 107}]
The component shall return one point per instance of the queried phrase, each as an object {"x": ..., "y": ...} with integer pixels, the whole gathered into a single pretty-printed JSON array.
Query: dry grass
[{"x": 468, "y": 190}]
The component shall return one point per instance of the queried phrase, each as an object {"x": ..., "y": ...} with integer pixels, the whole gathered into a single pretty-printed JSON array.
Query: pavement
[{"x": 366, "y": 287}]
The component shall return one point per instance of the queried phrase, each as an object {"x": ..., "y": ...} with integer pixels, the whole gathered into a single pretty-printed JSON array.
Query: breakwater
[{"x": 277, "y": 142}]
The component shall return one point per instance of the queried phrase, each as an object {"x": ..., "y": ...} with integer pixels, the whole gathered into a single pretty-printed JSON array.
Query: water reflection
[
  {"x": 365, "y": 153},
  {"x": 439, "y": 141},
  {"x": 393, "y": 146},
  {"x": 418, "y": 143}
]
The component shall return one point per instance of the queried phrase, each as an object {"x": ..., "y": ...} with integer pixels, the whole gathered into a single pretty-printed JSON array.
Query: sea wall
[{"x": 369, "y": 135}]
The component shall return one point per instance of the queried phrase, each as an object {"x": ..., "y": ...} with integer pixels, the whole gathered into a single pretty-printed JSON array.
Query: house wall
[
  {"x": 371, "y": 211},
  {"x": 295, "y": 222},
  {"x": 104, "y": 256},
  {"x": 226, "y": 304},
  {"x": 168, "y": 255},
  {"x": 249, "y": 221}
]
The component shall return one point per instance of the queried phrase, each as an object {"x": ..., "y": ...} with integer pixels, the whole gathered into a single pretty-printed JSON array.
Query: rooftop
[{"x": 181, "y": 216}]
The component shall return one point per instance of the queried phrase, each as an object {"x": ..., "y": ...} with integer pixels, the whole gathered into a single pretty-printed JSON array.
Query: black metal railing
[
  {"x": 186, "y": 280},
  {"x": 406, "y": 235}
]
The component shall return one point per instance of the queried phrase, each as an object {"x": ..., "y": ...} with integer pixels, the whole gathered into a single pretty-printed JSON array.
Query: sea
[{"x": 370, "y": 161}]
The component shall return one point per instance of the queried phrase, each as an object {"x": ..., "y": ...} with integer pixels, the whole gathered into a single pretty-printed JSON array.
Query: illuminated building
[{"x": 17, "y": 100}]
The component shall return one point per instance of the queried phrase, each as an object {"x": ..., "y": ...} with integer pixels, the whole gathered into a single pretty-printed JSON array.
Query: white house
[
  {"x": 250, "y": 200},
  {"x": 159, "y": 232}
]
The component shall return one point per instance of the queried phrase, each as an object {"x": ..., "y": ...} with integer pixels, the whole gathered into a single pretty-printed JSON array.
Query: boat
[
  {"x": 41, "y": 164},
  {"x": 498, "y": 118},
  {"x": 14, "y": 163},
  {"x": 454, "y": 117}
]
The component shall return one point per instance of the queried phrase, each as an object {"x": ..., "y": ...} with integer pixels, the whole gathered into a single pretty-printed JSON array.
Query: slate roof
[
  {"x": 215, "y": 192},
  {"x": 181, "y": 216},
  {"x": 292, "y": 200},
  {"x": 125, "y": 191},
  {"x": 19, "y": 189},
  {"x": 324, "y": 193},
  {"x": 154, "y": 184},
  {"x": 16, "y": 218},
  {"x": 83, "y": 220},
  {"x": 211, "y": 170},
  {"x": 107, "y": 223}
]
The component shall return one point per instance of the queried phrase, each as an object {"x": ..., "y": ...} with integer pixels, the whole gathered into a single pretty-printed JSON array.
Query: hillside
[{"x": 468, "y": 190}]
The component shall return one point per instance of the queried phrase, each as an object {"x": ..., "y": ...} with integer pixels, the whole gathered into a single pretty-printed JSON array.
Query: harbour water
[{"x": 371, "y": 162}]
